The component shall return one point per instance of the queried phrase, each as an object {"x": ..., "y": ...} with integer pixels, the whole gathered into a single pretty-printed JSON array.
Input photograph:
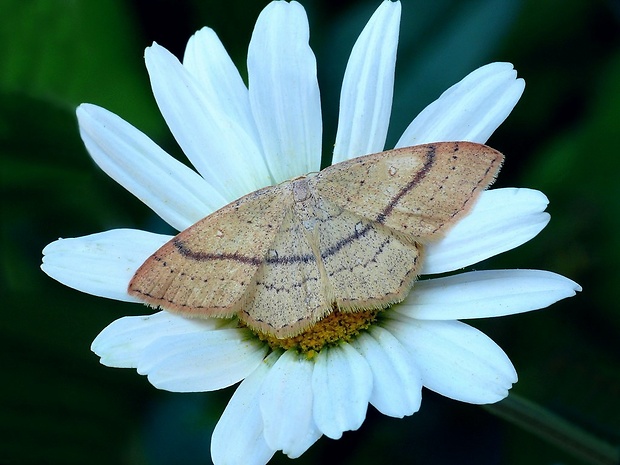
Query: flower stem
[{"x": 555, "y": 430}]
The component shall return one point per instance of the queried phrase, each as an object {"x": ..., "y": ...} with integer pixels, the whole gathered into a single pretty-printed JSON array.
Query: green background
[{"x": 58, "y": 405}]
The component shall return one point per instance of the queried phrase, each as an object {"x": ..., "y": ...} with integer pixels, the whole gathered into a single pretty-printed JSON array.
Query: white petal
[
  {"x": 207, "y": 60},
  {"x": 501, "y": 220},
  {"x": 238, "y": 436},
  {"x": 368, "y": 86},
  {"x": 122, "y": 342},
  {"x": 201, "y": 361},
  {"x": 101, "y": 264},
  {"x": 455, "y": 360},
  {"x": 341, "y": 383},
  {"x": 470, "y": 110},
  {"x": 227, "y": 156},
  {"x": 483, "y": 294},
  {"x": 397, "y": 383},
  {"x": 171, "y": 189},
  {"x": 286, "y": 403},
  {"x": 284, "y": 92}
]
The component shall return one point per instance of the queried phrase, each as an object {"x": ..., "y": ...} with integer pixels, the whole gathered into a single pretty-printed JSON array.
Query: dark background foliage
[{"x": 58, "y": 405}]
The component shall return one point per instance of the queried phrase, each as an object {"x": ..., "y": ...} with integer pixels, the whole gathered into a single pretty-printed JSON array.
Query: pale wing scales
[
  {"x": 367, "y": 265},
  {"x": 205, "y": 270},
  {"x": 419, "y": 191},
  {"x": 290, "y": 290}
]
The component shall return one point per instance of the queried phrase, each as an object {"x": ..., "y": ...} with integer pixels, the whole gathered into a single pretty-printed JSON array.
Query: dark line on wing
[
  {"x": 347, "y": 240},
  {"x": 254, "y": 261},
  {"x": 205, "y": 256},
  {"x": 428, "y": 164},
  {"x": 307, "y": 258},
  {"x": 310, "y": 258}
]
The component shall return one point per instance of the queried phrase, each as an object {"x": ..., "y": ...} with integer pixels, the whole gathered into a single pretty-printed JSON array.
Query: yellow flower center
[{"x": 336, "y": 327}]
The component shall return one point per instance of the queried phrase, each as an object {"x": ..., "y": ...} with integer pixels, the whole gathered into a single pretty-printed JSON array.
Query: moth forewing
[
  {"x": 420, "y": 191},
  {"x": 205, "y": 270}
]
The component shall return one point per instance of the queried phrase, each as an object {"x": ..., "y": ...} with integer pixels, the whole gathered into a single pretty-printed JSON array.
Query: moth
[{"x": 350, "y": 237}]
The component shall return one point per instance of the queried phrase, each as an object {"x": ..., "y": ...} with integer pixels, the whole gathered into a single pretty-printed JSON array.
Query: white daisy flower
[{"x": 241, "y": 139}]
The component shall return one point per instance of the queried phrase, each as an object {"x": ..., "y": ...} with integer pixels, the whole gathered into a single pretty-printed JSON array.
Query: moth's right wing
[{"x": 419, "y": 191}]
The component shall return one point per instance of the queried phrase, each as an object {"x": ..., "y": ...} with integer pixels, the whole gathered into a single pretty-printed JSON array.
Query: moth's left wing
[{"x": 206, "y": 270}]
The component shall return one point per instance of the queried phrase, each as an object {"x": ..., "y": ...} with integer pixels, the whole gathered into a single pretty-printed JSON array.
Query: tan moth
[{"x": 350, "y": 237}]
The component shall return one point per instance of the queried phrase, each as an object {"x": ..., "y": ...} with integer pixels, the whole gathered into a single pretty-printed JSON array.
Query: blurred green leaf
[
  {"x": 77, "y": 51},
  {"x": 60, "y": 406}
]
